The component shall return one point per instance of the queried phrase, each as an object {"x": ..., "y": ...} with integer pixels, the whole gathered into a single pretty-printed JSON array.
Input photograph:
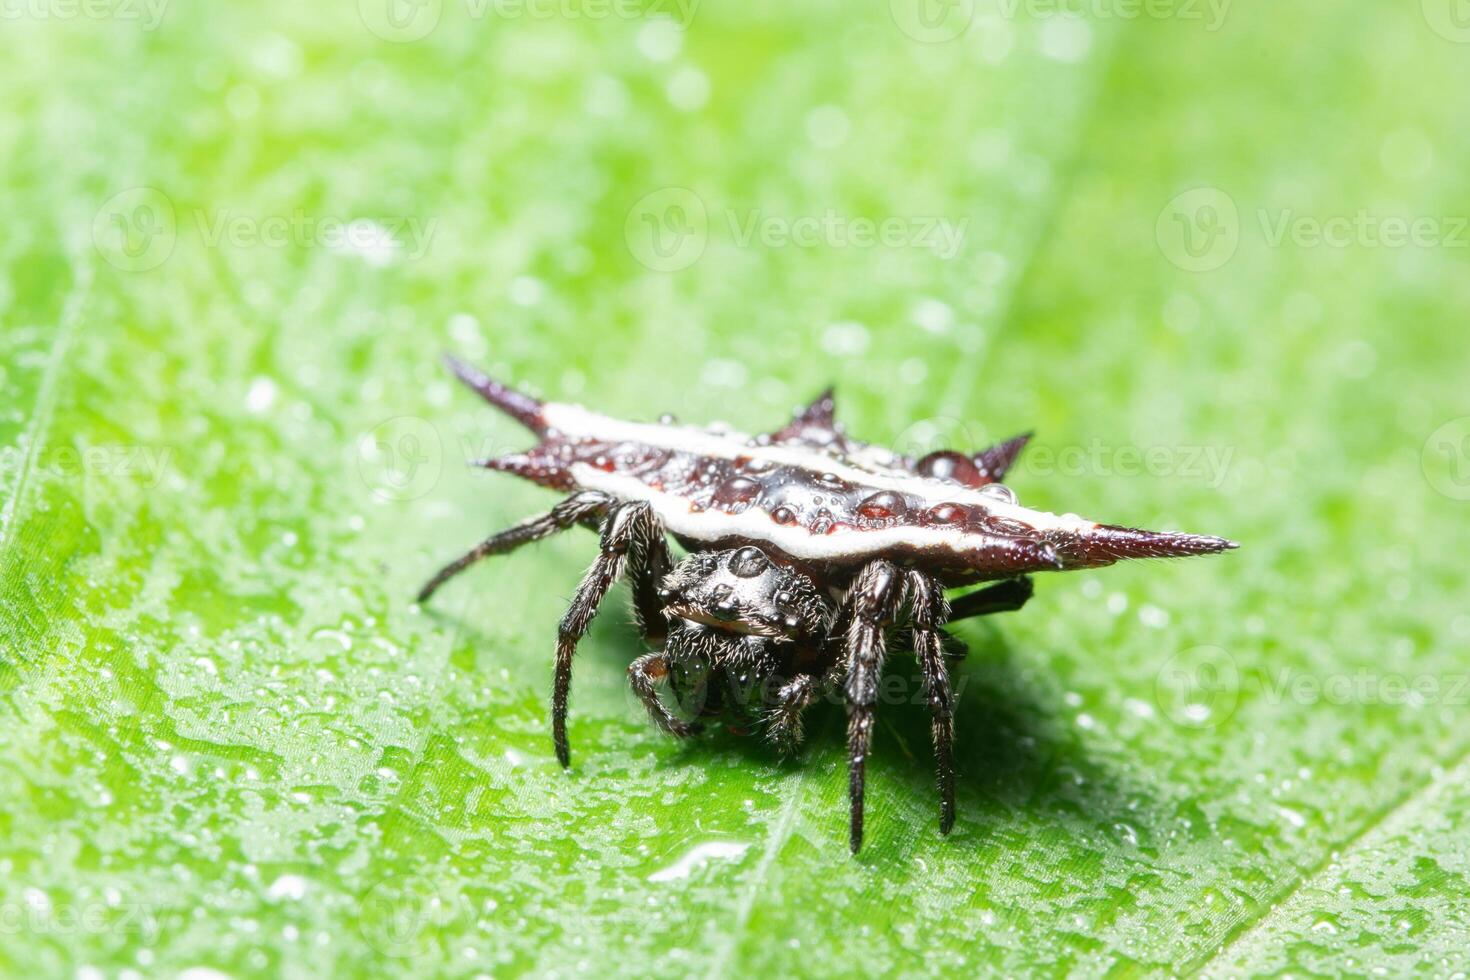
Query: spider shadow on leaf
[{"x": 1019, "y": 760}]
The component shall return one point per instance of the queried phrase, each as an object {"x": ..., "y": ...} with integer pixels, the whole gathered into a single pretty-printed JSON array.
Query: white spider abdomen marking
[
  {"x": 576, "y": 422},
  {"x": 756, "y": 524}
]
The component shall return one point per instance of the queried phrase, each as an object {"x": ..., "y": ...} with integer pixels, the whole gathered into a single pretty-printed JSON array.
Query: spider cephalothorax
[
  {"x": 744, "y": 591},
  {"x": 808, "y": 551}
]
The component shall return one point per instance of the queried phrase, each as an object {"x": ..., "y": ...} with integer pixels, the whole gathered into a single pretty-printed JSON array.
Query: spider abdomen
[{"x": 826, "y": 502}]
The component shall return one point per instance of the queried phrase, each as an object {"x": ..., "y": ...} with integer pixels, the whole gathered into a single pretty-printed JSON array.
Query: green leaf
[{"x": 1214, "y": 255}]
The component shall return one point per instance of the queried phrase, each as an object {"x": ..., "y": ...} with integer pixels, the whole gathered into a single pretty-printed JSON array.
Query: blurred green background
[{"x": 1215, "y": 253}]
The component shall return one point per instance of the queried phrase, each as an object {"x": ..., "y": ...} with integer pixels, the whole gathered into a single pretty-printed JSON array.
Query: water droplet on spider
[
  {"x": 883, "y": 505},
  {"x": 946, "y": 464},
  {"x": 1000, "y": 492},
  {"x": 945, "y": 514},
  {"x": 736, "y": 491},
  {"x": 667, "y": 419}
]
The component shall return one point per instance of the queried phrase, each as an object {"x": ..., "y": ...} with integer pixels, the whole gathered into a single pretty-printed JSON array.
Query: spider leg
[
  {"x": 875, "y": 596},
  {"x": 647, "y": 567},
  {"x": 645, "y": 674},
  {"x": 573, "y": 510},
  {"x": 783, "y": 724},
  {"x": 627, "y": 534},
  {"x": 929, "y": 612},
  {"x": 1007, "y": 596}
]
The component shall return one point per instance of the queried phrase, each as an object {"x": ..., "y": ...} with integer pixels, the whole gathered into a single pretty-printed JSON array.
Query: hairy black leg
[
  {"x": 646, "y": 572},
  {"x": 783, "y": 724},
  {"x": 644, "y": 674},
  {"x": 929, "y": 612},
  {"x": 872, "y": 601},
  {"x": 1007, "y": 596},
  {"x": 625, "y": 535},
  {"x": 572, "y": 510}
]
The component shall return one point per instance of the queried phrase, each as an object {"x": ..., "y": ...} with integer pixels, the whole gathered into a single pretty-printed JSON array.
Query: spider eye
[{"x": 748, "y": 563}]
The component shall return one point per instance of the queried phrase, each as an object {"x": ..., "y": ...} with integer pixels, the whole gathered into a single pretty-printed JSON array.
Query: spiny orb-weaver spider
[{"x": 808, "y": 550}]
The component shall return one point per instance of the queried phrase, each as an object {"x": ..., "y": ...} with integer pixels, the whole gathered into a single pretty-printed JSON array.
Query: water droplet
[
  {"x": 697, "y": 857},
  {"x": 1000, "y": 492}
]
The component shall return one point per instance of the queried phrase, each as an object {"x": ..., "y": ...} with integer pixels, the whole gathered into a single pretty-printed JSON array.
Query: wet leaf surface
[{"x": 240, "y": 239}]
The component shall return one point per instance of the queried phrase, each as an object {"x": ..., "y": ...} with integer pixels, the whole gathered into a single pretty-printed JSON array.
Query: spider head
[{"x": 744, "y": 591}]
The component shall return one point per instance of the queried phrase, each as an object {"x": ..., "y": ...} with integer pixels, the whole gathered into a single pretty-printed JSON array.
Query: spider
[{"x": 808, "y": 552}]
